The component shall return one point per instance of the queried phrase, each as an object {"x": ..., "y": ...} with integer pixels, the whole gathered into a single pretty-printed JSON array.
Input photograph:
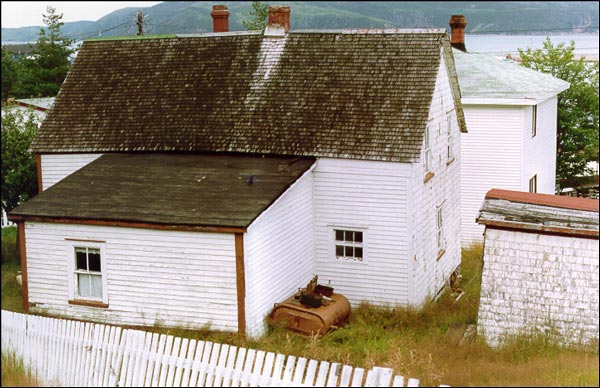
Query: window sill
[
  {"x": 88, "y": 303},
  {"x": 450, "y": 161},
  {"x": 428, "y": 176},
  {"x": 441, "y": 253}
]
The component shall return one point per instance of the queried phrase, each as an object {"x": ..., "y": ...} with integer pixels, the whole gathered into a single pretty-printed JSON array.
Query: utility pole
[{"x": 139, "y": 23}]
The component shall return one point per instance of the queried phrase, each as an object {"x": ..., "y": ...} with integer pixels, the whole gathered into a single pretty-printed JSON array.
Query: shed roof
[
  {"x": 484, "y": 76},
  {"x": 170, "y": 189},
  {"x": 541, "y": 213},
  {"x": 353, "y": 94}
]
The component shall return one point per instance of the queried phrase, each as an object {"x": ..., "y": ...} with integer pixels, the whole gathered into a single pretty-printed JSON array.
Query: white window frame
[
  {"x": 533, "y": 120},
  {"x": 333, "y": 243},
  {"x": 72, "y": 275},
  {"x": 440, "y": 238},
  {"x": 533, "y": 184},
  {"x": 450, "y": 127},
  {"x": 428, "y": 155}
]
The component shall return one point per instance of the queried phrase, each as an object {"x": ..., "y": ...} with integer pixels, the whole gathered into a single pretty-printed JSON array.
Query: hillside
[{"x": 518, "y": 17}]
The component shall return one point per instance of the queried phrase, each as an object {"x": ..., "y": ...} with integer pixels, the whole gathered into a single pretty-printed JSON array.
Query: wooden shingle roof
[
  {"x": 167, "y": 189},
  {"x": 540, "y": 213},
  {"x": 330, "y": 94}
]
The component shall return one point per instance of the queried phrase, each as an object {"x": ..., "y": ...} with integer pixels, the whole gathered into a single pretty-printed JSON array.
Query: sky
[{"x": 29, "y": 13}]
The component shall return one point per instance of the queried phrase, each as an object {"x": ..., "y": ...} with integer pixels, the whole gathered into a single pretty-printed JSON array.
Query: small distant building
[{"x": 540, "y": 267}]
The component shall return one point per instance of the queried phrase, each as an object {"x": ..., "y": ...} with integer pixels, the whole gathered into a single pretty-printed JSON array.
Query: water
[
  {"x": 508, "y": 44},
  {"x": 586, "y": 44}
]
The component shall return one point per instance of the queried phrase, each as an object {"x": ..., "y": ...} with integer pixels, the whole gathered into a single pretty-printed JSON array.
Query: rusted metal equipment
[{"x": 313, "y": 310}]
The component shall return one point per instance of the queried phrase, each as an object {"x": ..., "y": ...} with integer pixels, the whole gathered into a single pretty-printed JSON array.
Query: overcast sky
[{"x": 29, "y": 13}]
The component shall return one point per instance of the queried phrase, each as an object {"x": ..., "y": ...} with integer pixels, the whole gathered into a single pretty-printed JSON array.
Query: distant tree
[
  {"x": 256, "y": 19},
  {"x": 42, "y": 72},
  {"x": 577, "y": 132},
  {"x": 9, "y": 73},
  {"x": 19, "y": 173}
]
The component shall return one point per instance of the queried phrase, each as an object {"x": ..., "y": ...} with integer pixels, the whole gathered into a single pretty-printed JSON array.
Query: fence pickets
[{"x": 73, "y": 353}]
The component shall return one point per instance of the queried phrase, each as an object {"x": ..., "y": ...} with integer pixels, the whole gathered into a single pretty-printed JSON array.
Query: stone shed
[{"x": 540, "y": 267}]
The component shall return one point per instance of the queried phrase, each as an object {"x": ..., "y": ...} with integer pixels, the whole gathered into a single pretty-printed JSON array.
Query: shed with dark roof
[
  {"x": 540, "y": 267},
  {"x": 209, "y": 177}
]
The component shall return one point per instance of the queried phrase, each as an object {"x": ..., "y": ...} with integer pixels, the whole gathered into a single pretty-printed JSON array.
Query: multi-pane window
[
  {"x": 533, "y": 120},
  {"x": 349, "y": 244},
  {"x": 441, "y": 243},
  {"x": 88, "y": 273},
  {"x": 428, "y": 154},
  {"x": 450, "y": 121},
  {"x": 533, "y": 184}
]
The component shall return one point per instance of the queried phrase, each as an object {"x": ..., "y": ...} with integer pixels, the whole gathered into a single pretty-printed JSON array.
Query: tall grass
[
  {"x": 414, "y": 342},
  {"x": 10, "y": 253},
  {"x": 11, "y": 290},
  {"x": 14, "y": 373}
]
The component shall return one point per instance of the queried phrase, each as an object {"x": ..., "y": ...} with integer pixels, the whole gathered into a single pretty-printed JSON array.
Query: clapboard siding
[
  {"x": 539, "y": 152},
  {"x": 279, "y": 252},
  {"x": 55, "y": 167},
  {"x": 491, "y": 158},
  {"x": 154, "y": 277},
  {"x": 369, "y": 195},
  {"x": 429, "y": 274}
]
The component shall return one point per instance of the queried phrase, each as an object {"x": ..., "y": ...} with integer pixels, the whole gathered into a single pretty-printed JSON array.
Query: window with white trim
[
  {"x": 533, "y": 184},
  {"x": 533, "y": 120},
  {"x": 441, "y": 241},
  {"x": 428, "y": 154},
  {"x": 88, "y": 269},
  {"x": 349, "y": 244},
  {"x": 450, "y": 128}
]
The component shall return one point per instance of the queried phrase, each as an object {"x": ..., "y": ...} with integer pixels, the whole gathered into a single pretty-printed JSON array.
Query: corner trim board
[
  {"x": 38, "y": 167},
  {"x": 241, "y": 282},
  {"x": 23, "y": 259}
]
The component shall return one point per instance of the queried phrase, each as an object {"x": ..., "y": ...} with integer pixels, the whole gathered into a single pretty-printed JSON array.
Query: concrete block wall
[{"x": 539, "y": 283}]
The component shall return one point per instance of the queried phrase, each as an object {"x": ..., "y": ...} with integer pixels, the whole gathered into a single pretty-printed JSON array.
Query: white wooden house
[
  {"x": 540, "y": 267},
  {"x": 511, "y": 116},
  {"x": 210, "y": 176}
]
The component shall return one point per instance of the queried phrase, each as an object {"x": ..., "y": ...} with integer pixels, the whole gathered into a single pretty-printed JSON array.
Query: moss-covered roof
[
  {"x": 168, "y": 188},
  {"x": 330, "y": 94}
]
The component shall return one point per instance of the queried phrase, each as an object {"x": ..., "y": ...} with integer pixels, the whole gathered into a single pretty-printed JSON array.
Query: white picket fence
[{"x": 73, "y": 353}]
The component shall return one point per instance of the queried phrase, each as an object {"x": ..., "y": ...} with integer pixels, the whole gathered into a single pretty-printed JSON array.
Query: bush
[{"x": 10, "y": 252}]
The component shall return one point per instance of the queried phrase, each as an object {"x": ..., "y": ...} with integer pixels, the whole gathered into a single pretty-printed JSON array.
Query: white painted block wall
[
  {"x": 539, "y": 283},
  {"x": 56, "y": 167},
  {"x": 279, "y": 252},
  {"x": 182, "y": 279}
]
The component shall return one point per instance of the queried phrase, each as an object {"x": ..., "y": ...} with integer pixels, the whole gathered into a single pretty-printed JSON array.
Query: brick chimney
[
  {"x": 220, "y": 16},
  {"x": 457, "y": 32},
  {"x": 279, "y": 17}
]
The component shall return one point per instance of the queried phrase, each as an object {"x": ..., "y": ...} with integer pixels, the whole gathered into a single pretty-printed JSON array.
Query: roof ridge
[{"x": 372, "y": 31}]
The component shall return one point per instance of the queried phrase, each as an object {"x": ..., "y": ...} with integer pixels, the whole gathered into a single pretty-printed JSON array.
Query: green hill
[{"x": 516, "y": 17}]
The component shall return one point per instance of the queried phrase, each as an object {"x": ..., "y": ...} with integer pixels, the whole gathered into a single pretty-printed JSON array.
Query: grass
[
  {"x": 14, "y": 374},
  {"x": 11, "y": 291},
  {"x": 414, "y": 342}
]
